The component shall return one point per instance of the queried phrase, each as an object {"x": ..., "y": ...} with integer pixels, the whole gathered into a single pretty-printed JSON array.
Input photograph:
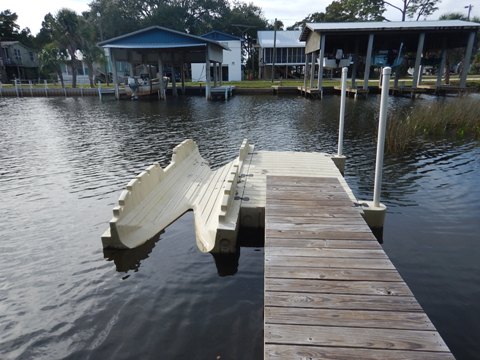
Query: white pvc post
[
  {"x": 16, "y": 87},
  {"x": 382, "y": 125},
  {"x": 342, "y": 111},
  {"x": 100, "y": 90},
  {"x": 46, "y": 87},
  {"x": 31, "y": 87}
]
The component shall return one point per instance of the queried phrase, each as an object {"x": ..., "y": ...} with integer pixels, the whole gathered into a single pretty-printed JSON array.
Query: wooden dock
[
  {"x": 310, "y": 92},
  {"x": 330, "y": 290},
  {"x": 222, "y": 92},
  {"x": 352, "y": 91}
]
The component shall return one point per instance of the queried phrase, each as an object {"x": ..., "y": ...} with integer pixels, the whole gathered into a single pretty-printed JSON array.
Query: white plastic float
[{"x": 157, "y": 197}]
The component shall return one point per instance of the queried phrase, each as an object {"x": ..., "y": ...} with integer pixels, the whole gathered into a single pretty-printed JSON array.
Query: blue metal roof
[
  {"x": 220, "y": 36},
  {"x": 157, "y": 37}
]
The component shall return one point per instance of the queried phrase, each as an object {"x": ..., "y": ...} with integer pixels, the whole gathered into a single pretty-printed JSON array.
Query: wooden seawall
[{"x": 330, "y": 290}]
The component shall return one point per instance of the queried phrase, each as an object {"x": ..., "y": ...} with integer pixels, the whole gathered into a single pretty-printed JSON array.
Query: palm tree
[
  {"x": 51, "y": 59},
  {"x": 90, "y": 51},
  {"x": 67, "y": 35}
]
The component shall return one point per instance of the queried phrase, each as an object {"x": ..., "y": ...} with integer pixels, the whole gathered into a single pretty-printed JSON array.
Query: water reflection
[
  {"x": 130, "y": 259},
  {"x": 126, "y": 260},
  {"x": 227, "y": 264}
]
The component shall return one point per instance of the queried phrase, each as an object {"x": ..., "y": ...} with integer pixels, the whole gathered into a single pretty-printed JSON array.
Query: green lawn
[{"x": 473, "y": 81}]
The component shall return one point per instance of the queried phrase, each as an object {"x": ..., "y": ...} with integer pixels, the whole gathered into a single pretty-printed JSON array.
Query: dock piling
[
  {"x": 339, "y": 159},
  {"x": 374, "y": 211}
]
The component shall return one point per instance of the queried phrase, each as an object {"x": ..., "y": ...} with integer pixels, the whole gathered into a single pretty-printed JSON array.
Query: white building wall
[{"x": 231, "y": 59}]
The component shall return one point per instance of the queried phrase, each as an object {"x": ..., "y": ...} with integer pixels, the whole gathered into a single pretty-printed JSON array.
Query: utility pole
[
  {"x": 274, "y": 55},
  {"x": 249, "y": 47},
  {"x": 469, "y": 7}
]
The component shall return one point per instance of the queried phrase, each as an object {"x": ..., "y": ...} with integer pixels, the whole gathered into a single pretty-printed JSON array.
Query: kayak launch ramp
[{"x": 157, "y": 197}]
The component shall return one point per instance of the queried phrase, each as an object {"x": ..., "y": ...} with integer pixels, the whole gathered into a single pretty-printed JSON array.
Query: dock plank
[
  {"x": 324, "y": 243},
  {"x": 349, "y": 318},
  {"x": 355, "y": 287},
  {"x": 342, "y": 301},
  {"x": 295, "y": 352},
  {"x": 331, "y": 274},
  {"x": 357, "y": 338},
  {"x": 328, "y": 262},
  {"x": 328, "y": 252},
  {"x": 331, "y": 292}
]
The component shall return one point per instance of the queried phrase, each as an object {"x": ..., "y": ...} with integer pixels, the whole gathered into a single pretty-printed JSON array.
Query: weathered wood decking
[{"x": 330, "y": 290}]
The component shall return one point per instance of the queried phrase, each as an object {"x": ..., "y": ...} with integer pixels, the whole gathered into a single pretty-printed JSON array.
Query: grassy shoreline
[{"x": 473, "y": 82}]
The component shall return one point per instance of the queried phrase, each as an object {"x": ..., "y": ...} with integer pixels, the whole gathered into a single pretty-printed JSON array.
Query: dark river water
[{"x": 64, "y": 161}]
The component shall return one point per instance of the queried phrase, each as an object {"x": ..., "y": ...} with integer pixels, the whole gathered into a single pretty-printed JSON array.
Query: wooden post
[
  {"x": 182, "y": 72},
  {"x": 160, "y": 75},
  {"x": 220, "y": 71},
  {"x": 418, "y": 61},
  {"x": 312, "y": 69},
  {"x": 207, "y": 78},
  {"x": 368, "y": 62},
  {"x": 305, "y": 71},
  {"x": 174, "y": 81},
  {"x": 466, "y": 60},
  {"x": 441, "y": 67},
  {"x": 320, "y": 64},
  {"x": 115, "y": 76},
  {"x": 215, "y": 74},
  {"x": 354, "y": 67}
]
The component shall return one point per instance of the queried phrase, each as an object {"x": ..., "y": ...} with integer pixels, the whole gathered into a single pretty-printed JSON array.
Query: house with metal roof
[
  {"x": 282, "y": 51},
  {"x": 162, "y": 48},
  {"x": 231, "y": 69},
  {"x": 427, "y": 40}
]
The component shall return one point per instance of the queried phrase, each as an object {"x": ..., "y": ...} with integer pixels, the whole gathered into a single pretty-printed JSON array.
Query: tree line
[{"x": 65, "y": 32}]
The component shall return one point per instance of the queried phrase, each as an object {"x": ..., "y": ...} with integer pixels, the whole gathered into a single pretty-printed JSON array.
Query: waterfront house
[
  {"x": 232, "y": 59},
  {"x": 289, "y": 51},
  {"x": 17, "y": 61}
]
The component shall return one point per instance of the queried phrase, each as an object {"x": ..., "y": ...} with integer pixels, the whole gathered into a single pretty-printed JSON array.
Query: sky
[{"x": 31, "y": 12}]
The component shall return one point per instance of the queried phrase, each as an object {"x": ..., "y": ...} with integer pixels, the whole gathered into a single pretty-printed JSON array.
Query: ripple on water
[{"x": 63, "y": 163}]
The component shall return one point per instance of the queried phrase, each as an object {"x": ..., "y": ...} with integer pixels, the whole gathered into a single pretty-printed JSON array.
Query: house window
[
  {"x": 19, "y": 57},
  {"x": 32, "y": 57}
]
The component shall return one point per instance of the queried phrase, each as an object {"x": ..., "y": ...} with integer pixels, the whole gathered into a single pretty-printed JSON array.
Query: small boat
[
  {"x": 336, "y": 64},
  {"x": 143, "y": 86}
]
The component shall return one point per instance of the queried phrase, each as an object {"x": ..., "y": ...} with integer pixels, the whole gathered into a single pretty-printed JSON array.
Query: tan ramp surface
[{"x": 157, "y": 197}]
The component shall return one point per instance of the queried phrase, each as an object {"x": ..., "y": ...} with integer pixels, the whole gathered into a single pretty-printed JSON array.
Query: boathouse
[
  {"x": 231, "y": 68},
  {"x": 364, "y": 45},
  {"x": 281, "y": 50},
  {"x": 165, "y": 49}
]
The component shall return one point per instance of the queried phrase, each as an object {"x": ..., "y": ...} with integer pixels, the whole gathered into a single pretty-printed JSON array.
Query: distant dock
[{"x": 222, "y": 92}]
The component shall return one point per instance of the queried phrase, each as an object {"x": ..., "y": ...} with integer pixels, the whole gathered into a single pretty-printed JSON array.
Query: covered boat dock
[
  {"x": 367, "y": 44},
  {"x": 167, "y": 51}
]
